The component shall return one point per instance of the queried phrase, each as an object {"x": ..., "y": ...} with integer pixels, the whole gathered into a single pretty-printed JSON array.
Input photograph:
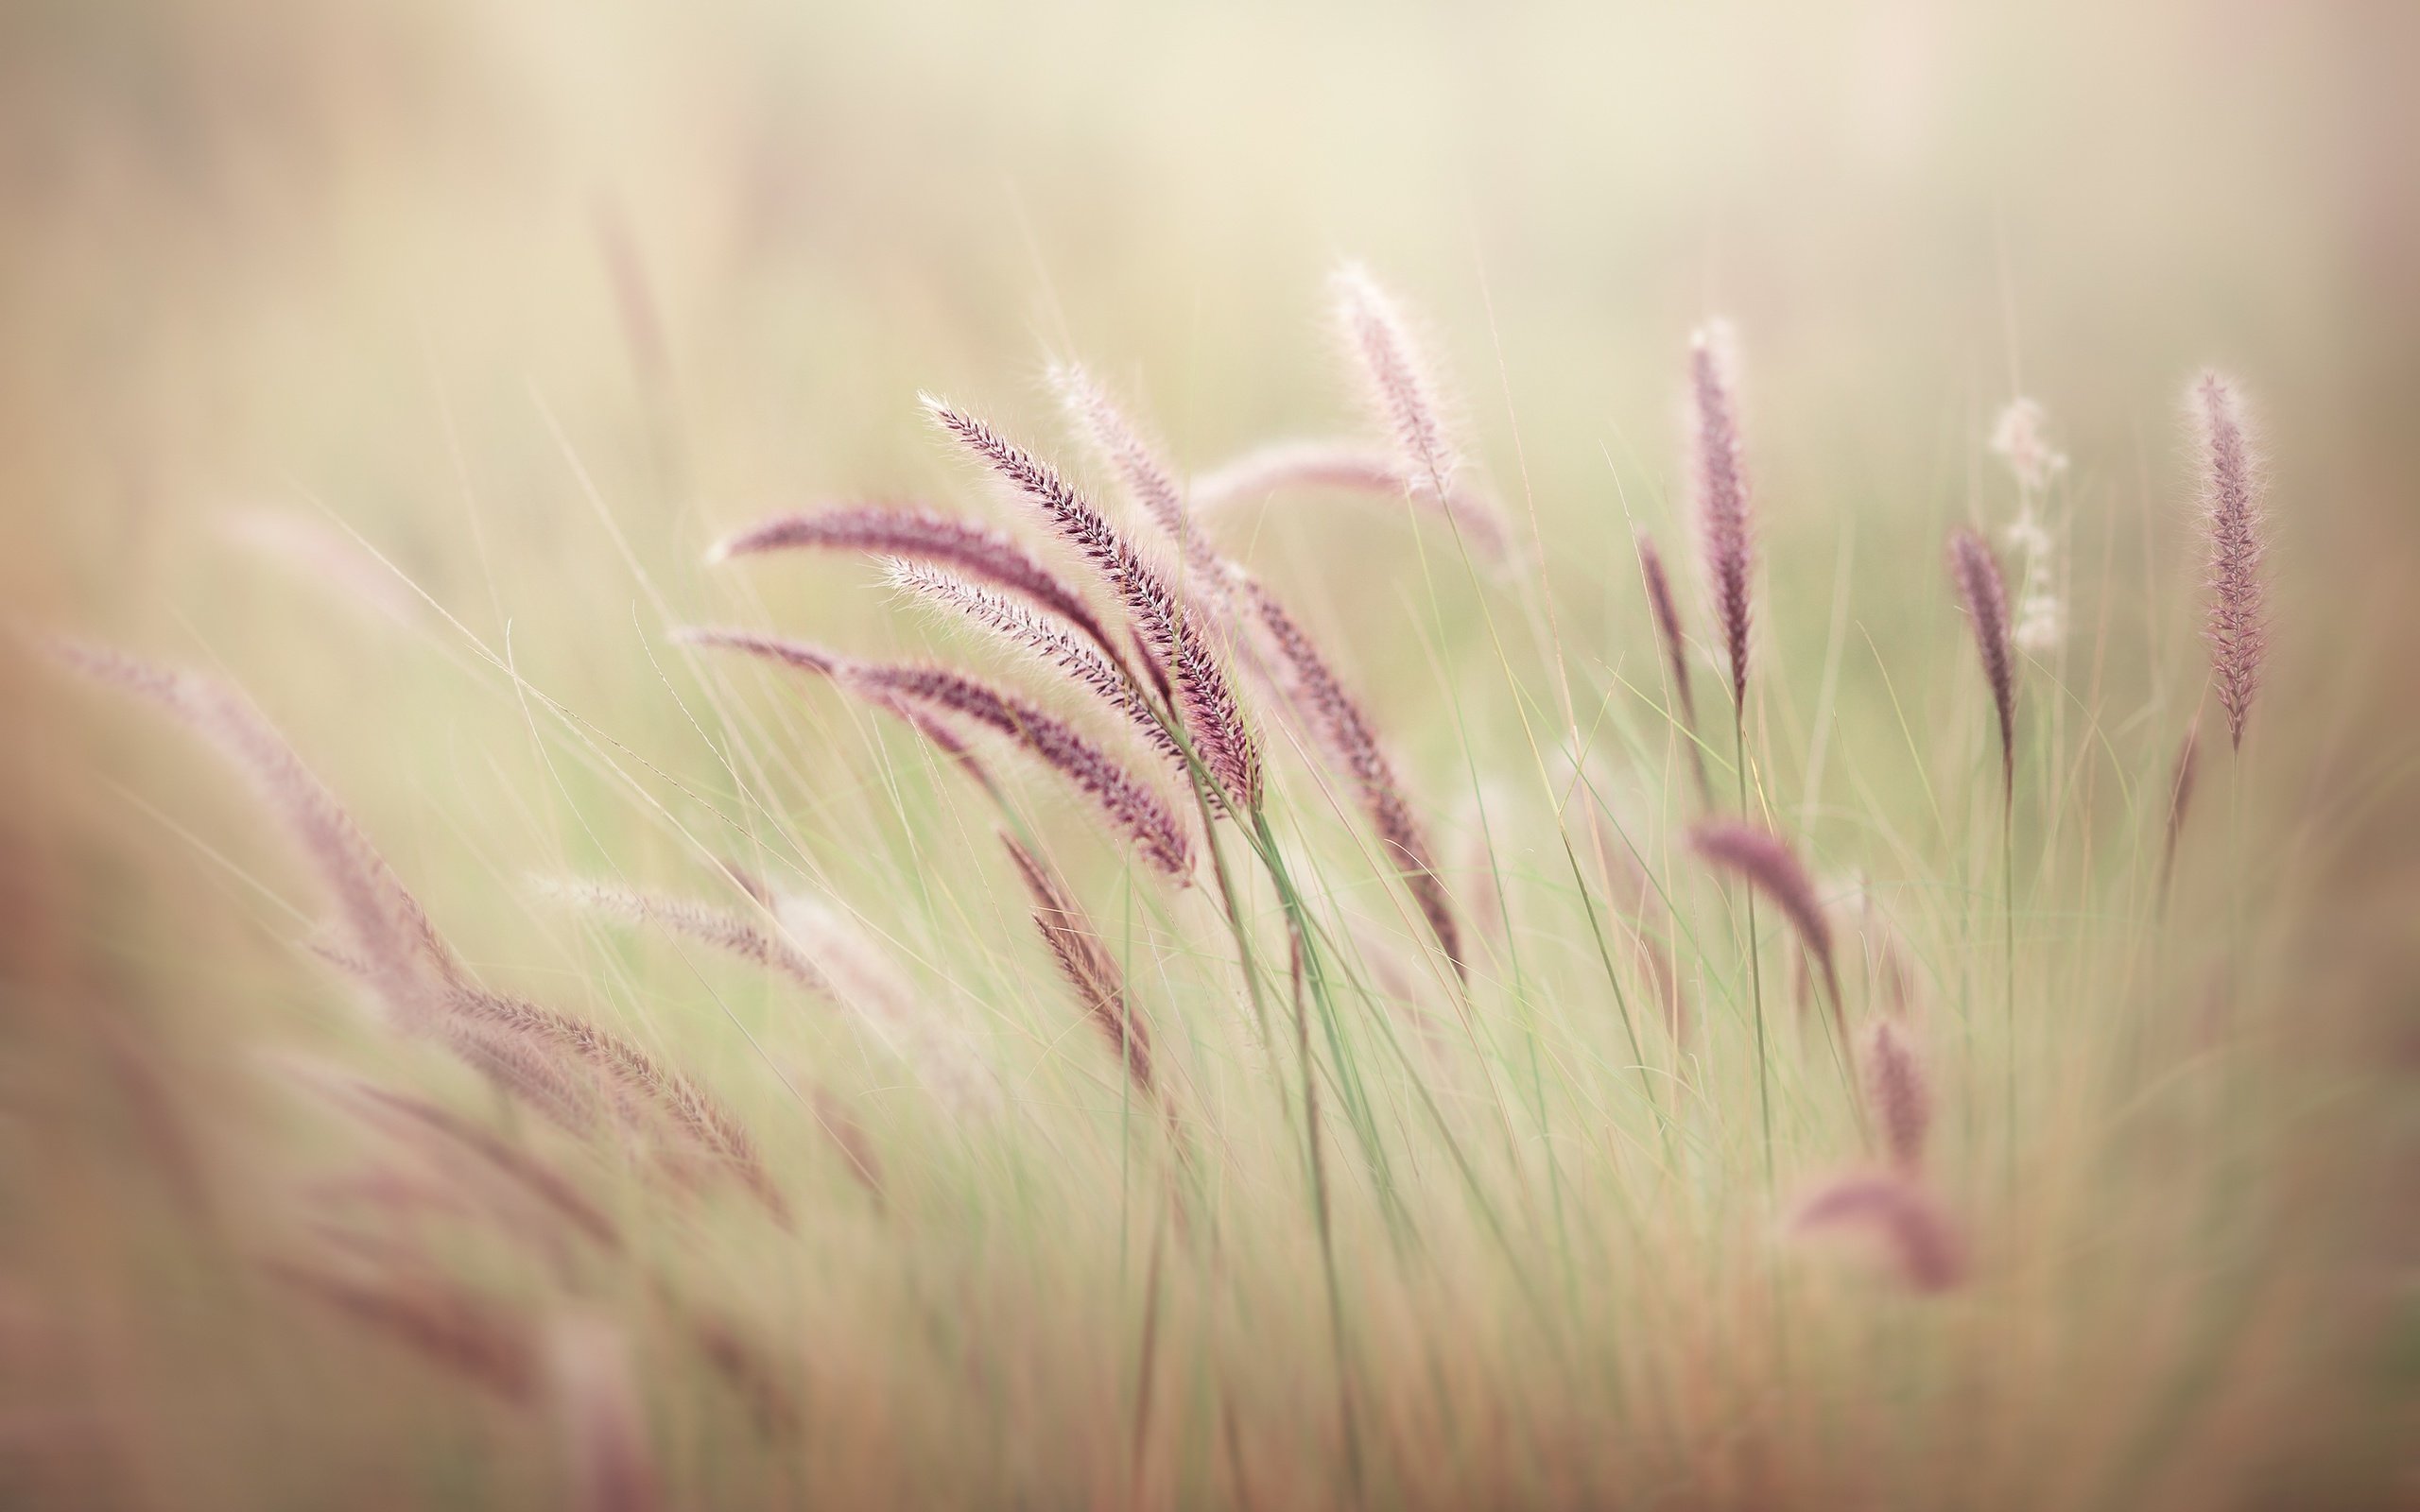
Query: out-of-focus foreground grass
[{"x": 532, "y": 301}]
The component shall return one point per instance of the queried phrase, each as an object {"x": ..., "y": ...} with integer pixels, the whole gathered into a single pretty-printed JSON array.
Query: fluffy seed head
[
  {"x": 2233, "y": 520},
  {"x": 1719, "y": 475},
  {"x": 1038, "y": 637},
  {"x": 1339, "y": 725},
  {"x": 1768, "y": 864},
  {"x": 1402, "y": 392},
  {"x": 1897, "y": 1092},
  {"x": 1136, "y": 460},
  {"x": 1086, "y": 962},
  {"x": 1350, "y": 467},
  {"x": 385, "y": 931},
  {"x": 2041, "y": 615},
  {"x": 1170, "y": 634},
  {"x": 1980, "y": 588},
  {"x": 937, "y": 697},
  {"x": 2020, "y": 437},
  {"x": 1921, "y": 1239},
  {"x": 964, "y": 546}
]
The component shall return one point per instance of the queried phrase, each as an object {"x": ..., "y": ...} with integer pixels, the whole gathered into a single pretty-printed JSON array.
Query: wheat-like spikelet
[
  {"x": 1985, "y": 593},
  {"x": 2232, "y": 516},
  {"x": 1344, "y": 466},
  {"x": 1922, "y": 1240},
  {"x": 1898, "y": 1093},
  {"x": 1770, "y": 866},
  {"x": 610, "y": 1465},
  {"x": 1038, "y": 637},
  {"x": 475, "y": 1338},
  {"x": 1339, "y": 725},
  {"x": 625, "y": 1066},
  {"x": 531, "y": 1072},
  {"x": 722, "y": 930},
  {"x": 1676, "y": 658},
  {"x": 1718, "y": 474},
  {"x": 1172, "y": 636},
  {"x": 400, "y": 953},
  {"x": 1133, "y": 806},
  {"x": 1088, "y": 964},
  {"x": 395, "y": 948},
  {"x": 921, "y": 692},
  {"x": 965, "y": 546},
  {"x": 1401, "y": 388},
  {"x": 507, "y": 1166},
  {"x": 2180, "y": 798},
  {"x": 1141, "y": 469}
]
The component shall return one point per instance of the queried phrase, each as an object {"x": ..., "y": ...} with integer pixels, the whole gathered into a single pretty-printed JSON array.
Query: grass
[
  {"x": 758, "y": 1129},
  {"x": 1591, "y": 1287}
]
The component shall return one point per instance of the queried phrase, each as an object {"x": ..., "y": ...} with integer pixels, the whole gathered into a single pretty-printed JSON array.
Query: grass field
[{"x": 1267, "y": 974}]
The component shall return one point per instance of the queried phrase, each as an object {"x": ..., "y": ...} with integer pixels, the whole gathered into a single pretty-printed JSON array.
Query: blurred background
[{"x": 535, "y": 300}]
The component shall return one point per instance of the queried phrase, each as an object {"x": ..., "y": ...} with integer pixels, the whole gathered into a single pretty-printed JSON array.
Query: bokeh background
[{"x": 533, "y": 300}]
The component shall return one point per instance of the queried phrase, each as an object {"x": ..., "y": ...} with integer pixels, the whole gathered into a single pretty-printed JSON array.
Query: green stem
[{"x": 1756, "y": 970}]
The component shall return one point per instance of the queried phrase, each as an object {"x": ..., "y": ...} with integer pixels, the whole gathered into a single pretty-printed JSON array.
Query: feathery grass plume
[
  {"x": 1898, "y": 1093},
  {"x": 1769, "y": 865},
  {"x": 1142, "y": 470},
  {"x": 473, "y": 1337},
  {"x": 625, "y": 1067},
  {"x": 1169, "y": 631},
  {"x": 807, "y": 952},
  {"x": 1136, "y": 811},
  {"x": 1980, "y": 588},
  {"x": 1676, "y": 656},
  {"x": 389, "y": 942},
  {"x": 2020, "y": 437},
  {"x": 1039, "y": 637},
  {"x": 2179, "y": 798},
  {"x": 1718, "y": 474},
  {"x": 1339, "y": 725},
  {"x": 610, "y": 1465},
  {"x": 532, "y": 1073},
  {"x": 1088, "y": 964},
  {"x": 1922, "y": 1241},
  {"x": 1348, "y": 467},
  {"x": 965, "y": 546},
  {"x": 2232, "y": 516},
  {"x": 506, "y": 1166},
  {"x": 384, "y": 927},
  {"x": 1401, "y": 388},
  {"x": 722, "y": 930},
  {"x": 2040, "y": 614},
  {"x": 1133, "y": 806}
]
